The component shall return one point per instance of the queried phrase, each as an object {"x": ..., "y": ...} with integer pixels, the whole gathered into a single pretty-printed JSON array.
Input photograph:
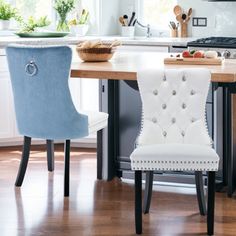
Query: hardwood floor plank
[{"x": 94, "y": 207}]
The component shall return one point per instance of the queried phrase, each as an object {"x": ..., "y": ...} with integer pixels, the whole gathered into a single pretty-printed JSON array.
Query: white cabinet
[
  {"x": 6, "y": 111},
  {"x": 7, "y": 117}
]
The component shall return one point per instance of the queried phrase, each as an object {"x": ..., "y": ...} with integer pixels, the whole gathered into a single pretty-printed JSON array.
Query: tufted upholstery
[{"x": 173, "y": 117}]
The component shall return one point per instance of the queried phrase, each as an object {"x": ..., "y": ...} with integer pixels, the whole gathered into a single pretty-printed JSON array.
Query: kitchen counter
[
  {"x": 125, "y": 65},
  {"x": 6, "y": 40}
]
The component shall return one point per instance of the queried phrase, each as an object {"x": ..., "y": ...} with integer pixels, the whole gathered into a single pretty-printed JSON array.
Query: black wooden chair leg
[
  {"x": 24, "y": 161},
  {"x": 99, "y": 154},
  {"x": 211, "y": 203},
  {"x": 67, "y": 169},
  {"x": 148, "y": 192},
  {"x": 138, "y": 201},
  {"x": 50, "y": 155},
  {"x": 200, "y": 192}
]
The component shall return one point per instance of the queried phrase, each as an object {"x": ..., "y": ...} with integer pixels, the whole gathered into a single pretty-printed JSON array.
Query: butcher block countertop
[{"x": 124, "y": 66}]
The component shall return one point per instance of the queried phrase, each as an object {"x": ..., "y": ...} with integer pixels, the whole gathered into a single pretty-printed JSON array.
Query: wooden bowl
[{"x": 95, "y": 54}]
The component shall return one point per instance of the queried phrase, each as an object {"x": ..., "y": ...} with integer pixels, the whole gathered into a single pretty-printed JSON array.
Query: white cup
[{"x": 127, "y": 31}]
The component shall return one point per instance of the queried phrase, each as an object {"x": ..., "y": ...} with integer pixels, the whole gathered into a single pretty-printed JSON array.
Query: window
[
  {"x": 157, "y": 13},
  {"x": 35, "y": 8},
  {"x": 38, "y": 8}
]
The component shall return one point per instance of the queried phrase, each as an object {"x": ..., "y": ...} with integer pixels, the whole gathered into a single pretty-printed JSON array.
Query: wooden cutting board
[{"x": 193, "y": 61}]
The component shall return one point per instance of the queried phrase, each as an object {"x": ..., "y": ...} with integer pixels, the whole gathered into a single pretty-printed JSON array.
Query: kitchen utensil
[
  {"x": 177, "y": 10},
  {"x": 121, "y": 19},
  {"x": 183, "y": 29},
  {"x": 125, "y": 17},
  {"x": 190, "y": 11},
  {"x": 173, "y": 25},
  {"x": 179, "y": 18},
  {"x": 193, "y": 61},
  {"x": 134, "y": 22},
  {"x": 131, "y": 19},
  {"x": 184, "y": 16}
]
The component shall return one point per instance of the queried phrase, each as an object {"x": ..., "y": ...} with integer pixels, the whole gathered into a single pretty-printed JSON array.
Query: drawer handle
[{"x": 31, "y": 68}]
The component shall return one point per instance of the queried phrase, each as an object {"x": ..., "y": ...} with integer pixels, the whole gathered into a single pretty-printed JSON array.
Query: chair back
[
  {"x": 174, "y": 105},
  {"x": 43, "y": 103}
]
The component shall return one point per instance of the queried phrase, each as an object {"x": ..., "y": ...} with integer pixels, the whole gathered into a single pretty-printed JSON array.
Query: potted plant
[
  {"x": 79, "y": 26},
  {"x": 63, "y": 7},
  {"x": 32, "y": 24},
  {"x": 7, "y": 12}
]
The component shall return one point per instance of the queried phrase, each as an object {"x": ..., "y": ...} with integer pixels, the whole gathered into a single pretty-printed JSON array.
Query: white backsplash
[{"x": 221, "y": 16}]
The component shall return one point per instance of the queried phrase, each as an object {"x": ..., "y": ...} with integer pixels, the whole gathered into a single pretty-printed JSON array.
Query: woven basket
[{"x": 95, "y": 54}]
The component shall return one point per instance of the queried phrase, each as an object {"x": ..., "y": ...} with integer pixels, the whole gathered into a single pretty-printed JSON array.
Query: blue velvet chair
[{"x": 43, "y": 103}]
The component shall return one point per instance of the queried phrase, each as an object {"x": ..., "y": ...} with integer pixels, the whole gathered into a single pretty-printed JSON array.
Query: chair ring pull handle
[{"x": 31, "y": 69}]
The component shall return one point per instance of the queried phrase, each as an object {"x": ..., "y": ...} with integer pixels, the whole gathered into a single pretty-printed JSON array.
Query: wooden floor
[{"x": 94, "y": 207}]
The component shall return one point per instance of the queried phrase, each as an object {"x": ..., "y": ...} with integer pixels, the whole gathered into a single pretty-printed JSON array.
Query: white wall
[
  {"x": 221, "y": 16},
  {"x": 109, "y": 15},
  {"x": 104, "y": 16}
]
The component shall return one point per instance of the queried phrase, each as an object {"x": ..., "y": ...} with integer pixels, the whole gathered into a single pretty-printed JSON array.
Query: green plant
[
  {"x": 7, "y": 11},
  {"x": 32, "y": 23},
  {"x": 63, "y": 7},
  {"x": 80, "y": 20},
  {"x": 84, "y": 17}
]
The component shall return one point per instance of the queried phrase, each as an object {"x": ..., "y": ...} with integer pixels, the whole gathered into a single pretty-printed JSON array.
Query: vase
[
  {"x": 63, "y": 25},
  {"x": 4, "y": 24},
  {"x": 79, "y": 30}
]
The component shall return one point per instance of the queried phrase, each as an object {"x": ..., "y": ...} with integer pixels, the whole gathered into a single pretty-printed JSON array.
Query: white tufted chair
[{"x": 174, "y": 136}]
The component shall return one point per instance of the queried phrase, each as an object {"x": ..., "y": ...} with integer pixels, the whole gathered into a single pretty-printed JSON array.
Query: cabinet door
[{"x": 6, "y": 108}]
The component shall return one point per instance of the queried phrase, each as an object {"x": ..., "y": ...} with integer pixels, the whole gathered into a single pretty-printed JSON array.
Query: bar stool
[
  {"x": 174, "y": 134},
  {"x": 43, "y": 103}
]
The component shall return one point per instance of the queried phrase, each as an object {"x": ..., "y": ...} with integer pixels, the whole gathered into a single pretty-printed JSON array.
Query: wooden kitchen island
[{"x": 124, "y": 66}]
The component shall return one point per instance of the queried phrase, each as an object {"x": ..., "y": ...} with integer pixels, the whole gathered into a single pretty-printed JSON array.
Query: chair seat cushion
[
  {"x": 174, "y": 157},
  {"x": 96, "y": 120}
]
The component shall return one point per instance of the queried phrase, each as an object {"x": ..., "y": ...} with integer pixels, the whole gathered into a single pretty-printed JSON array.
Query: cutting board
[{"x": 193, "y": 61}]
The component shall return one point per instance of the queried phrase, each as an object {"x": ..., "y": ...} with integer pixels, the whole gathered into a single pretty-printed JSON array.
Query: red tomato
[
  {"x": 198, "y": 54},
  {"x": 186, "y": 54}
]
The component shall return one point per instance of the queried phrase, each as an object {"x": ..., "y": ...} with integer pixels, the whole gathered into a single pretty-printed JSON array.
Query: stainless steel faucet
[{"x": 148, "y": 28}]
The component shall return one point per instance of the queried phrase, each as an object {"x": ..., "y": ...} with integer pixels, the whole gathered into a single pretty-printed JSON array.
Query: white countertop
[{"x": 6, "y": 40}]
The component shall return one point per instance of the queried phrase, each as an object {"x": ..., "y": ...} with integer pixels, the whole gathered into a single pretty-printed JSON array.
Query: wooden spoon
[
  {"x": 177, "y": 10},
  {"x": 121, "y": 19},
  {"x": 179, "y": 18},
  {"x": 190, "y": 11},
  {"x": 187, "y": 19}
]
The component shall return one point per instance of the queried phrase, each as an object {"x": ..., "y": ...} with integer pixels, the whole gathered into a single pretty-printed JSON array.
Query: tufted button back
[
  {"x": 177, "y": 112},
  {"x": 155, "y": 92}
]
